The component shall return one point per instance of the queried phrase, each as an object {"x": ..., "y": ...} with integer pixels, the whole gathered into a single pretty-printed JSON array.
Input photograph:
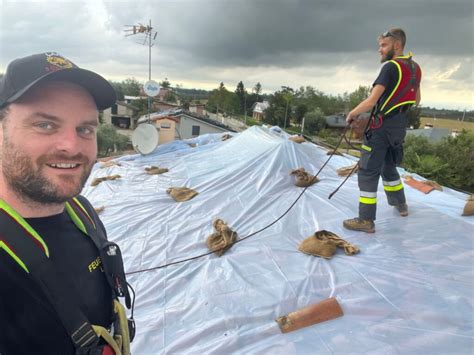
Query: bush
[{"x": 449, "y": 162}]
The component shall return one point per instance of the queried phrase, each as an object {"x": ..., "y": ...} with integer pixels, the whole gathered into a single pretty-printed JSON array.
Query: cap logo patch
[{"x": 57, "y": 62}]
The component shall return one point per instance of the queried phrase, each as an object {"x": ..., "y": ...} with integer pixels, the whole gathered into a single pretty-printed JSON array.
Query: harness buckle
[{"x": 377, "y": 121}]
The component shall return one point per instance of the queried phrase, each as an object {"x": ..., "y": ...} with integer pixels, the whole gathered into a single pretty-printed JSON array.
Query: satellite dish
[
  {"x": 145, "y": 138},
  {"x": 151, "y": 88}
]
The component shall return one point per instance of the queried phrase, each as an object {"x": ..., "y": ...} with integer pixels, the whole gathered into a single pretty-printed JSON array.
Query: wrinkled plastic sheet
[{"x": 409, "y": 290}]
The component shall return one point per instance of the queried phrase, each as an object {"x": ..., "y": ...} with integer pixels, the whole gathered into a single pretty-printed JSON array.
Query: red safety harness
[{"x": 403, "y": 94}]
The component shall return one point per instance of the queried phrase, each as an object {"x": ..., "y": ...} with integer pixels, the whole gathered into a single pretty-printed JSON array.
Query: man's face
[
  {"x": 386, "y": 49},
  {"x": 48, "y": 143}
]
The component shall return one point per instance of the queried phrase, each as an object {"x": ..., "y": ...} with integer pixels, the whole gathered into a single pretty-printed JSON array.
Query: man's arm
[
  {"x": 367, "y": 104},
  {"x": 418, "y": 96}
]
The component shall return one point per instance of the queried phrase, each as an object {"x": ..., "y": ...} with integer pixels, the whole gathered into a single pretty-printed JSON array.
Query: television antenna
[{"x": 146, "y": 36}]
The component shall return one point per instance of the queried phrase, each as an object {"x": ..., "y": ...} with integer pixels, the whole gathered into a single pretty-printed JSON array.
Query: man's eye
[
  {"x": 45, "y": 125},
  {"x": 86, "y": 131}
]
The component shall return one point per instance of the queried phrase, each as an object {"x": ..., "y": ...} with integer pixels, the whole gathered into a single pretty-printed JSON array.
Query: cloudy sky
[{"x": 328, "y": 44}]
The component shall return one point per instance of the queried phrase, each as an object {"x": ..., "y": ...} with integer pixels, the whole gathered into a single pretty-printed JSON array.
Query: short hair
[
  {"x": 396, "y": 33},
  {"x": 3, "y": 112}
]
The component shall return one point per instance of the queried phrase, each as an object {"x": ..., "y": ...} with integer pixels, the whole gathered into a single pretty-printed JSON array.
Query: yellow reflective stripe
[
  {"x": 367, "y": 148},
  {"x": 393, "y": 188},
  {"x": 368, "y": 200},
  {"x": 77, "y": 221},
  {"x": 84, "y": 210},
  {"x": 19, "y": 219},
  {"x": 13, "y": 255},
  {"x": 401, "y": 103},
  {"x": 396, "y": 86}
]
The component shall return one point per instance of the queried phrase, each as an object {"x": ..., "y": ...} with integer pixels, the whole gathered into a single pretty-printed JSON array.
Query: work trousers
[{"x": 382, "y": 151}]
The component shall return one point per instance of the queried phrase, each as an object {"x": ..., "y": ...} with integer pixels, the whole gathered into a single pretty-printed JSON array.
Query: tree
[
  {"x": 221, "y": 100},
  {"x": 242, "y": 95},
  {"x": 165, "y": 84},
  {"x": 300, "y": 111},
  {"x": 257, "y": 89},
  {"x": 357, "y": 96},
  {"x": 275, "y": 113},
  {"x": 129, "y": 87},
  {"x": 315, "y": 121},
  {"x": 108, "y": 139}
]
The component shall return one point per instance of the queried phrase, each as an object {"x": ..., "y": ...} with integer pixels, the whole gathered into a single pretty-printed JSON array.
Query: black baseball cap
[{"x": 24, "y": 73}]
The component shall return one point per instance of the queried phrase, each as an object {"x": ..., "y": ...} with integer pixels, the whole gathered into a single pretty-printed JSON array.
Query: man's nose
[{"x": 69, "y": 141}]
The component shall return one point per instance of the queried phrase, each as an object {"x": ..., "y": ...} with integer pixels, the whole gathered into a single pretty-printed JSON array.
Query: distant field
[{"x": 451, "y": 124}]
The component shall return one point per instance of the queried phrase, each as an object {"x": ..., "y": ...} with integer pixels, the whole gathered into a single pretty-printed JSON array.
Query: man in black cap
[{"x": 55, "y": 281}]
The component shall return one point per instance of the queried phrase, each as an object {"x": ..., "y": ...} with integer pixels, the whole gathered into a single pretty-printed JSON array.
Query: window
[
  {"x": 196, "y": 130},
  {"x": 114, "y": 109},
  {"x": 165, "y": 125}
]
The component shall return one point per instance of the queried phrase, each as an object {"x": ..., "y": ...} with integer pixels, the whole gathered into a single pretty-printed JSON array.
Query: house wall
[
  {"x": 122, "y": 111},
  {"x": 167, "y": 130},
  {"x": 187, "y": 123}
]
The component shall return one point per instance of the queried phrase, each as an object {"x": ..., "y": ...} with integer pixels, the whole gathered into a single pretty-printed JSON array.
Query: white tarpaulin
[{"x": 409, "y": 291}]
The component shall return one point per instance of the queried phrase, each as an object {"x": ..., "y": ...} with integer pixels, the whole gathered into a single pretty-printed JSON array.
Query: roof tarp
[{"x": 410, "y": 289}]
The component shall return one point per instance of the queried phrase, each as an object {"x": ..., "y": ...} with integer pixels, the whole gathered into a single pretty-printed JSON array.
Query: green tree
[
  {"x": 221, "y": 100},
  {"x": 314, "y": 121},
  {"x": 242, "y": 96},
  {"x": 165, "y": 84},
  {"x": 131, "y": 87},
  {"x": 275, "y": 113},
  {"x": 300, "y": 111},
  {"x": 357, "y": 96},
  {"x": 108, "y": 139}
]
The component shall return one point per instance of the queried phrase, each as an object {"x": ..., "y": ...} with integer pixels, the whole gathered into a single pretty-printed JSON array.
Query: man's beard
[
  {"x": 390, "y": 54},
  {"x": 29, "y": 183}
]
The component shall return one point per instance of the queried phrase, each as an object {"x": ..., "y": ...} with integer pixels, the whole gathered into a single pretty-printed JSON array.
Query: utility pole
[{"x": 245, "y": 106}]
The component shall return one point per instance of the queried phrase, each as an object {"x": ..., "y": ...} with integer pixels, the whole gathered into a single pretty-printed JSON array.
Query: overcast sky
[{"x": 328, "y": 44}]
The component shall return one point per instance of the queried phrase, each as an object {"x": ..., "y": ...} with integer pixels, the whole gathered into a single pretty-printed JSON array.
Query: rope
[{"x": 256, "y": 232}]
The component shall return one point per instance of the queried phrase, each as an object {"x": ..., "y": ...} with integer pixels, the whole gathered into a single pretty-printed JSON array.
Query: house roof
[
  {"x": 202, "y": 118},
  {"x": 260, "y": 107},
  {"x": 179, "y": 112},
  {"x": 130, "y": 106},
  {"x": 433, "y": 134},
  {"x": 408, "y": 291}
]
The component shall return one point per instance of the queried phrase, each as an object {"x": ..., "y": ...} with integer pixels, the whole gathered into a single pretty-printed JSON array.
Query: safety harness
[
  {"x": 31, "y": 253},
  {"x": 403, "y": 94}
]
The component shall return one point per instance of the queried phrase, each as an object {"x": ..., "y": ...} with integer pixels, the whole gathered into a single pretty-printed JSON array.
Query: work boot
[
  {"x": 359, "y": 224},
  {"x": 402, "y": 209}
]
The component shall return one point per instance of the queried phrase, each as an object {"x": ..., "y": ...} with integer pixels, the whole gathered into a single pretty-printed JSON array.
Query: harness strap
[
  {"x": 40, "y": 268},
  {"x": 109, "y": 252},
  {"x": 410, "y": 84}
]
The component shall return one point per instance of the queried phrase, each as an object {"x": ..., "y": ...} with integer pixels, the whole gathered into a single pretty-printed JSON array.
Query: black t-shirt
[
  {"x": 28, "y": 323},
  {"x": 388, "y": 78}
]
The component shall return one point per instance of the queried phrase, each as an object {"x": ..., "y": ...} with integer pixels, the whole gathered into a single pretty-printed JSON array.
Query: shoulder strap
[
  {"x": 84, "y": 216},
  {"x": 16, "y": 239}
]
